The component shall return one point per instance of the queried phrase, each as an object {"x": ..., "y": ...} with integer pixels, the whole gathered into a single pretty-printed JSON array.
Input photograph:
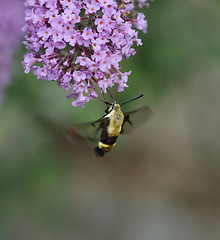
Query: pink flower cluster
[
  {"x": 79, "y": 43},
  {"x": 10, "y": 38}
]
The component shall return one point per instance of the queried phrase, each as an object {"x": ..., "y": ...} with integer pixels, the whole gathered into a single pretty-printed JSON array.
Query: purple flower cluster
[
  {"x": 10, "y": 37},
  {"x": 79, "y": 43}
]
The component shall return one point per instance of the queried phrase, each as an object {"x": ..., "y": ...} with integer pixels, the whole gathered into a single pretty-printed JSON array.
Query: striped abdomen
[{"x": 110, "y": 132}]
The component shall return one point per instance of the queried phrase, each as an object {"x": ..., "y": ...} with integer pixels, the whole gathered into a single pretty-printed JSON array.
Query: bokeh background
[{"x": 161, "y": 182}]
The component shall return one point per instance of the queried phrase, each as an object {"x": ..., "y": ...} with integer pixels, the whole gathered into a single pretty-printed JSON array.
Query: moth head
[{"x": 114, "y": 106}]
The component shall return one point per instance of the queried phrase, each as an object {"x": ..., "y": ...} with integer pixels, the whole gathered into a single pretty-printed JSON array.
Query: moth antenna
[
  {"x": 111, "y": 95},
  {"x": 132, "y": 99},
  {"x": 103, "y": 94},
  {"x": 107, "y": 103}
]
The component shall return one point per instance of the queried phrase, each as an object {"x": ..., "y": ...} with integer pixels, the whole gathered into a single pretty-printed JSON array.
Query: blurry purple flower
[
  {"x": 12, "y": 20},
  {"x": 141, "y": 23},
  {"x": 79, "y": 44}
]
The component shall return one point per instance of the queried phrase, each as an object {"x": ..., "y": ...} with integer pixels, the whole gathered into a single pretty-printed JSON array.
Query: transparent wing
[
  {"x": 135, "y": 118},
  {"x": 86, "y": 131}
]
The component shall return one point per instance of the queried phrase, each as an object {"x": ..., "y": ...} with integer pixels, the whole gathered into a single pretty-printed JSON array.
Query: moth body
[{"x": 111, "y": 130}]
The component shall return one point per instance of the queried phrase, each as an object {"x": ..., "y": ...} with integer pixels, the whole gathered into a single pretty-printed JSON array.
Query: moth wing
[
  {"x": 135, "y": 119},
  {"x": 86, "y": 131}
]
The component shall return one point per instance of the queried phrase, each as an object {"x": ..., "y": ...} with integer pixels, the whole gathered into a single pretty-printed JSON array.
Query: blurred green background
[{"x": 161, "y": 182}]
